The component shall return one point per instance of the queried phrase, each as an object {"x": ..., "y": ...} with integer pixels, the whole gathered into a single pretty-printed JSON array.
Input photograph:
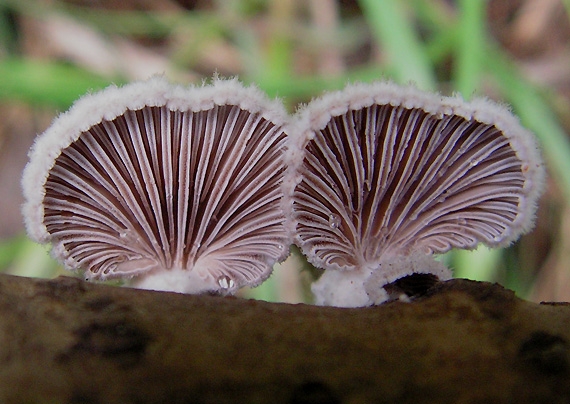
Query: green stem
[
  {"x": 470, "y": 46},
  {"x": 395, "y": 34}
]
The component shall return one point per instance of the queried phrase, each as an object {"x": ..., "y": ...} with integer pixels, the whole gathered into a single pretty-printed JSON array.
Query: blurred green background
[{"x": 515, "y": 51}]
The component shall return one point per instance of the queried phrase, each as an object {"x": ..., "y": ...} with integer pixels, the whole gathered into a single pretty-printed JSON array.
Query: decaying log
[{"x": 67, "y": 341}]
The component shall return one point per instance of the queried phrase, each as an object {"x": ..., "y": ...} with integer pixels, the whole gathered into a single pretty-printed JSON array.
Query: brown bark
[{"x": 66, "y": 341}]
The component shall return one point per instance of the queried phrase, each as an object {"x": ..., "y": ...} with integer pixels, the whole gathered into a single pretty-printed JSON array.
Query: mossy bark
[{"x": 67, "y": 341}]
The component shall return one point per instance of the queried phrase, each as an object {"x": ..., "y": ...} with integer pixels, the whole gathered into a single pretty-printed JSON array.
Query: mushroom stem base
[{"x": 365, "y": 286}]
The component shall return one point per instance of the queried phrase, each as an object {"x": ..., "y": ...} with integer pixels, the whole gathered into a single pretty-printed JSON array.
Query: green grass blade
[
  {"x": 480, "y": 264},
  {"x": 395, "y": 33},
  {"x": 469, "y": 49},
  {"x": 29, "y": 259},
  {"x": 45, "y": 83},
  {"x": 536, "y": 115},
  {"x": 307, "y": 87}
]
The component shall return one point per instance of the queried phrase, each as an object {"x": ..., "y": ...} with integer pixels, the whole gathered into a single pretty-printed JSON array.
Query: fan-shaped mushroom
[
  {"x": 179, "y": 187},
  {"x": 387, "y": 176}
]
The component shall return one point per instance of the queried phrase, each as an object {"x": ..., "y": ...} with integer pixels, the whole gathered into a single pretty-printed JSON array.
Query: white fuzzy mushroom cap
[
  {"x": 379, "y": 173},
  {"x": 179, "y": 186}
]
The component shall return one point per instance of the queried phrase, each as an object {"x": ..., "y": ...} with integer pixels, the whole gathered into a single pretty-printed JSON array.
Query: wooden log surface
[{"x": 67, "y": 341}]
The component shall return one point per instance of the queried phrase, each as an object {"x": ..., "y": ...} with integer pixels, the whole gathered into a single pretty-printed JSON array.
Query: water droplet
[
  {"x": 441, "y": 199},
  {"x": 334, "y": 221},
  {"x": 226, "y": 282},
  {"x": 473, "y": 162},
  {"x": 462, "y": 221},
  {"x": 123, "y": 234}
]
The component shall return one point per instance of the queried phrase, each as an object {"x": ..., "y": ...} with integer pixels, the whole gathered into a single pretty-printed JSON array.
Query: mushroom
[
  {"x": 178, "y": 187},
  {"x": 384, "y": 177}
]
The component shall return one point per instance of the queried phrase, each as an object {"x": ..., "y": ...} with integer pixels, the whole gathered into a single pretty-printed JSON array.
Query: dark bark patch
[
  {"x": 556, "y": 304},
  {"x": 63, "y": 288},
  {"x": 99, "y": 303},
  {"x": 546, "y": 353},
  {"x": 116, "y": 340},
  {"x": 493, "y": 299},
  {"x": 82, "y": 397},
  {"x": 413, "y": 286},
  {"x": 313, "y": 393}
]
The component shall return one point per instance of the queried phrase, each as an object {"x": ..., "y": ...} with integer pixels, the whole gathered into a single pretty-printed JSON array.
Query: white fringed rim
[
  {"x": 87, "y": 157},
  {"x": 316, "y": 118},
  {"x": 112, "y": 102}
]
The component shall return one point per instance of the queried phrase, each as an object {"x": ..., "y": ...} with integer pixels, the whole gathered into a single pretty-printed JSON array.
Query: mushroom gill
[
  {"x": 178, "y": 187},
  {"x": 388, "y": 176}
]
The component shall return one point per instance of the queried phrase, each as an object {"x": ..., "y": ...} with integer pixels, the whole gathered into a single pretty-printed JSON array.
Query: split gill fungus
[
  {"x": 177, "y": 187},
  {"x": 203, "y": 189},
  {"x": 385, "y": 177}
]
